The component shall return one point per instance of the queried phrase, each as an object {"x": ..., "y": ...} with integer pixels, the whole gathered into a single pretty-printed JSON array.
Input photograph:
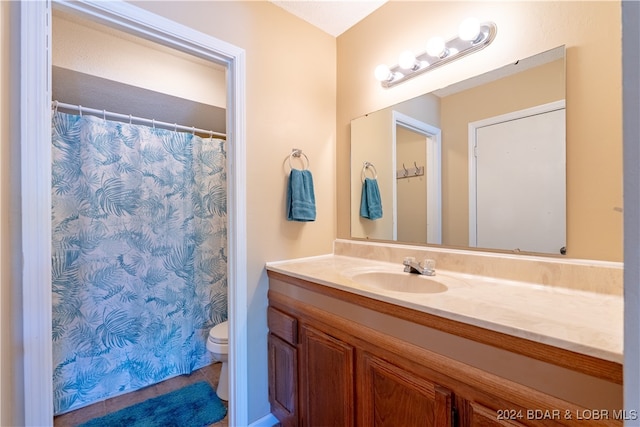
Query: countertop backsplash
[{"x": 603, "y": 277}]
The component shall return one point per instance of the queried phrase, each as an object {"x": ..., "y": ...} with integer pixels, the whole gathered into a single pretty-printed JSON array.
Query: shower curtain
[{"x": 139, "y": 258}]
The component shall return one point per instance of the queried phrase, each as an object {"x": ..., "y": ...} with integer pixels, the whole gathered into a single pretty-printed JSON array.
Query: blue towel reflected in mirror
[{"x": 370, "y": 203}]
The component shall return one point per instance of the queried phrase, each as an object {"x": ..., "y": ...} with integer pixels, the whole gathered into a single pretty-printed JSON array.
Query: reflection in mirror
[{"x": 480, "y": 163}]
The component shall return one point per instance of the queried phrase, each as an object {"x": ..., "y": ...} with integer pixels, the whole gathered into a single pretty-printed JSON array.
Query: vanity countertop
[{"x": 583, "y": 322}]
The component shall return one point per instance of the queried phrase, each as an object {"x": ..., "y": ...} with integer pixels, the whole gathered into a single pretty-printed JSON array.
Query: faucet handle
[
  {"x": 429, "y": 263},
  {"x": 408, "y": 260}
]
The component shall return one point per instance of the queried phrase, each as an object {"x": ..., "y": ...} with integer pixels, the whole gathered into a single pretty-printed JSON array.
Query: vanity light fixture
[{"x": 472, "y": 37}]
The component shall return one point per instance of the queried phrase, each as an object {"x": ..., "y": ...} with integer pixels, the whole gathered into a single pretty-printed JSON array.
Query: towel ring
[
  {"x": 365, "y": 166},
  {"x": 296, "y": 152}
]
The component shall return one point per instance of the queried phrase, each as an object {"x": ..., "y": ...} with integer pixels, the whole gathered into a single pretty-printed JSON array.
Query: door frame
[
  {"x": 433, "y": 173},
  {"x": 35, "y": 186},
  {"x": 473, "y": 127}
]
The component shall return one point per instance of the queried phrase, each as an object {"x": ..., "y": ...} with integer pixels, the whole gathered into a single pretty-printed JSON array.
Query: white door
[{"x": 520, "y": 184}]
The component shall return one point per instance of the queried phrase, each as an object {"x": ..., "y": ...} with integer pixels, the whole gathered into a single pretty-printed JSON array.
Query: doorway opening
[
  {"x": 35, "y": 125},
  {"x": 417, "y": 188}
]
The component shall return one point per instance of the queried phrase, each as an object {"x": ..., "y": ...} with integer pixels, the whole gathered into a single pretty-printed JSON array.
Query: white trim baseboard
[{"x": 35, "y": 34}]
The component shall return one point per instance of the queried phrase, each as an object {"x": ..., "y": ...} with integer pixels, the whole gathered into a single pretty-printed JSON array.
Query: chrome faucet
[{"x": 427, "y": 268}]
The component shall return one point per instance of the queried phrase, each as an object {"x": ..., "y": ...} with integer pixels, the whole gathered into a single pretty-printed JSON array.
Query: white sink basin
[{"x": 399, "y": 282}]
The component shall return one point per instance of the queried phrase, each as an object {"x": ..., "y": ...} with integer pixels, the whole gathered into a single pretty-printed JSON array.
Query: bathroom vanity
[{"x": 348, "y": 349}]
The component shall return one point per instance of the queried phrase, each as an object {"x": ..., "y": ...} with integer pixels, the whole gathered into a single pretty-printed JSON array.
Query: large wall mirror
[{"x": 478, "y": 164}]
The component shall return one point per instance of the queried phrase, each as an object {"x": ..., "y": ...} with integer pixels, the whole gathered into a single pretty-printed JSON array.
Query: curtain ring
[
  {"x": 80, "y": 109},
  {"x": 104, "y": 115},
  {"x": 130, "y": 118},
  {"x": 193, "y": 130},
  {"x": 153, "y": 123},
  {"x": 175, "y": 127}
]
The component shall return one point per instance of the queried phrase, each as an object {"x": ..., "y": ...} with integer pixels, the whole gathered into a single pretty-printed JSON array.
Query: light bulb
[
  {"x": 469, "y": 29},
  {"x": 407, "y": 60},
  {"x": 436, "y": 47},
  {"x": 383, "y": 73}
]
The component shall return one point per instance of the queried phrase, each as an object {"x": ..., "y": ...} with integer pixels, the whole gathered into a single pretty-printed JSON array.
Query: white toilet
[{"x": 218, "y": 345}]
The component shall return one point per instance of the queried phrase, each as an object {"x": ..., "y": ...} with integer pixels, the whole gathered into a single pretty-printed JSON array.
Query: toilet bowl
[{"x": 218, "y": 345}]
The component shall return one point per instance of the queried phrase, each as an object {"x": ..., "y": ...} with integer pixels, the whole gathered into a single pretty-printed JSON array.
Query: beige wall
[
  {"x": 290, "y": 102},
  {"x": 11, "y": 366},
  {"x": 81, "y": 46},
  {"x": 594, "y": 106}
]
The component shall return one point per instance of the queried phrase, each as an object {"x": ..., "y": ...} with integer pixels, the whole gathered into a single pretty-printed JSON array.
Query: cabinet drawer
[{"x": 282, "y": 325}]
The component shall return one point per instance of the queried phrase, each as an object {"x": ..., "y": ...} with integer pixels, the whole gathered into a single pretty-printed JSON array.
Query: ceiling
[{"x": 333, "y": 17}]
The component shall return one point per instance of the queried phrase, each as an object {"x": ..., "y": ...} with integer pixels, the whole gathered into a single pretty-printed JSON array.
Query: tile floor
[{"x": 209, "y": 373}]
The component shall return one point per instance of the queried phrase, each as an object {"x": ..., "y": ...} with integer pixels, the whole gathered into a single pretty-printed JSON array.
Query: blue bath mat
[{"x": 195, "y": 405}]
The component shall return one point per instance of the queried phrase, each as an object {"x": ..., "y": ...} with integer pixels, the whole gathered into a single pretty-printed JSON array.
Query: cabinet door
[
  {"x": 481, "y": 416},
  {"x": 283, "y": 381},
  {"x": 394, "y": 397},
  {"x": 327, "y": 393}
]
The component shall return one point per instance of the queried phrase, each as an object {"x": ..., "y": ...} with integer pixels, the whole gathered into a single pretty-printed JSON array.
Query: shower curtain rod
[{"x": 57, "y": 104}]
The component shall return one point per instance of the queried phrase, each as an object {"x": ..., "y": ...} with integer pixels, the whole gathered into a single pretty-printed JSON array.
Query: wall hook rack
[{"x": 411, "y": 172}]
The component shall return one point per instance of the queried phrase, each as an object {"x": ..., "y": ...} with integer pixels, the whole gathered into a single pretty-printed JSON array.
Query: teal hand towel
[
  {"x": 370, "y": 202},
  {"x": 301, "y": 200}
]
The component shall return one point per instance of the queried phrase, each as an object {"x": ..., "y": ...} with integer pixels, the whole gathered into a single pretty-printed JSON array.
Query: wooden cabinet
[
  {"x": 326, "y": 379},
  {"x": 481, "y": 416},
  {"x": 314, "y": 384},
  {"x": 283, "y": 380},
  {"x": 332, "y": 366},
  {"x": 283, "y": 367},
  {"x": 391, "y": 396}
]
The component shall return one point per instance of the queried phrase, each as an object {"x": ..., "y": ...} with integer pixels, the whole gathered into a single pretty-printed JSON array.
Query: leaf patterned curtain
[{"x": 139, "y": 255}]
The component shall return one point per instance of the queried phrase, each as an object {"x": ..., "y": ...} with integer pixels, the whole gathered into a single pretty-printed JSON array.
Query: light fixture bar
[{"x": 453, "y": 49}]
